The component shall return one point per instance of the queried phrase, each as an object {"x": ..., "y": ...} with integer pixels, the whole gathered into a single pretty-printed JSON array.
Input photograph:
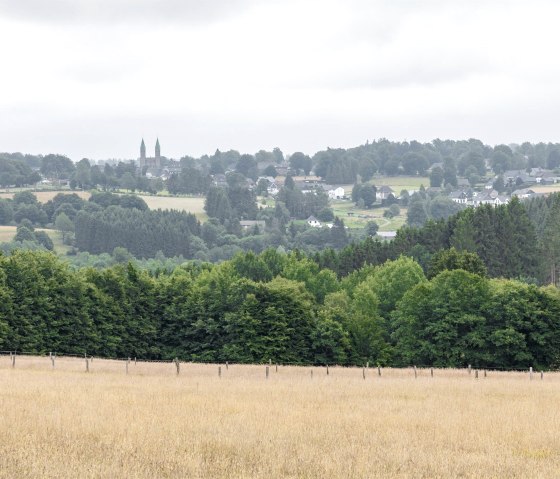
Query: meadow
[
  {"x": 7, "y": 234},
  {"x": 300, "y": 422}
]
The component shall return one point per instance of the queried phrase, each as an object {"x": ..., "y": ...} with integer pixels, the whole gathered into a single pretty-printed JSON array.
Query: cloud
[{"x": 126, "y": 12}]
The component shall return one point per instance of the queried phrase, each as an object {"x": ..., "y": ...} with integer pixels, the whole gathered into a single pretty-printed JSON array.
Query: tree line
[{"x": 284, "y": 308}]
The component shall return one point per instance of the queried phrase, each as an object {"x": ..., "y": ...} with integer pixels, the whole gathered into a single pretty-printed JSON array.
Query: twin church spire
[
  {"x": 143, "y": 150},
  {"x": 145, "y": 162}
]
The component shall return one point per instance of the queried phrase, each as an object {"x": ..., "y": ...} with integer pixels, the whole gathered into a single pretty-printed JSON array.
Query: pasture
[
  {"x": 298, "y": 422},
  {"x": 7, "y": 234}
]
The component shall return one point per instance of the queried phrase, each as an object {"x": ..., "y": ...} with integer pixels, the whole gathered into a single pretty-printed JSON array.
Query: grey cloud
[{"x": 109, "y": 12}]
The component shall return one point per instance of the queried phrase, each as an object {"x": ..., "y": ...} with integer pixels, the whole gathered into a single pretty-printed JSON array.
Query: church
[{"x": 153, "y": 162}]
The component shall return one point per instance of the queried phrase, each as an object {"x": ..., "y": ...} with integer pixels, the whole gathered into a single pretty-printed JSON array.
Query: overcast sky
[{"x": 90, "y": 78}]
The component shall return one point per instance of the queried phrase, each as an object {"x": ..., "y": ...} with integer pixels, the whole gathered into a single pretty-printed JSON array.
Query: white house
[
  {"x": 314, "y": 222},
  {"x": 336, "y": 193},
  {"x": 384, "y": 191}
]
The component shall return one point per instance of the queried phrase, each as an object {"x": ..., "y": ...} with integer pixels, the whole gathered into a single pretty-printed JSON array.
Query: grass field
[
  {"x": 44, "y": 196},
  {"x": 355, "y": 217},
  {"x": 193, "y": 205},
  {"x": 7, "y": 234},
  {"x": 153, "y": 423}
]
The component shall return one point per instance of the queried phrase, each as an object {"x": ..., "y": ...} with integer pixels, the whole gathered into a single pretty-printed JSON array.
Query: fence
[{"x": 153, "y": 367}]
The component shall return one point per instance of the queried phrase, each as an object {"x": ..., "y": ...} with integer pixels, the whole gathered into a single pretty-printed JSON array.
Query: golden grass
[
  {"x": 193, "y": 205},
  {"x": 44, "y": 196},
  {"x": 152, "y": 423}
]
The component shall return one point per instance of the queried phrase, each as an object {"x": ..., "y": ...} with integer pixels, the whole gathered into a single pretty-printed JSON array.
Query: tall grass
[{"x": 152, "y": 423}]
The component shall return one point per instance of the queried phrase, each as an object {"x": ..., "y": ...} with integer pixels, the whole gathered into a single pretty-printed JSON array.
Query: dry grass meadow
[{"x": 152, "y": 423}]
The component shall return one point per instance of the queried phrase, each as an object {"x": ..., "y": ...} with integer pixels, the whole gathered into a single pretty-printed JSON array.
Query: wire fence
[{"x": 133, "y": 365}]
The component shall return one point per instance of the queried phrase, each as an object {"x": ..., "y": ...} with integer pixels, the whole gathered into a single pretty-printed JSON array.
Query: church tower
[
  {"x": 158, "y": 153},
  {"x": 142, "y": 150}
]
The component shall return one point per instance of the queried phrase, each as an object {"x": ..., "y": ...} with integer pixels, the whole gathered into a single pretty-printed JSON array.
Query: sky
[{"x": 91, "y": 78}]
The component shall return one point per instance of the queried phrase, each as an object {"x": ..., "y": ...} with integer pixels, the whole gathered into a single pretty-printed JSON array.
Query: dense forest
[{"x": 284, "y": 308}]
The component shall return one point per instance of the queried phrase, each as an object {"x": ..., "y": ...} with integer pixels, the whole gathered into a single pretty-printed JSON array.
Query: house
[
  {"x": 387, "y": 235},
  {"x": 249, "y": 224},
  {"x": 514, "y": 177},
  {"x": 459, "y": 197},
  {"x": 273, "y": 189},
  {"x": 219, "y": 180},
  {"x": 384, "y": 191},
  {"x": 463, "y": 183},
  {"x": 314, "y": 222},
  {"x": 524, "y": 193},
  {"x": 336, "y": 193}
]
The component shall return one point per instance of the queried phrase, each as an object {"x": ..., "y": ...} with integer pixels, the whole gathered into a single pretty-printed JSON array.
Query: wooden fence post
[
  {"x": 312, "y": 374},
  {"x": 485, "y": 373},
  {"x": 476, "y": 374},
  {"x": 220, "y": 372},
  {"x": 531, "y": 373},
  {"x": 432, "y": 372},
  {"x": 266, "y": 372},
  {"x": 276, "y": 367},
  {"x": 87, "y": 365},
  {"x": 469, "y": 367},
  {"x": 415, "y": 372},
  {"x": 52, "y": 359},
  {"x": 227, "y": 365},
  {"x": 177, "y": 365},
  {"x": 542, "y": 374},
  {"x": 364, "y": 372},
  {"x": 13, "y": 359},
  {"x": 135, "y": 361},
  {"x": 327, "y": 369},
  {"x": 379, "y": 371},
  {"x": 127, "y": 361}
]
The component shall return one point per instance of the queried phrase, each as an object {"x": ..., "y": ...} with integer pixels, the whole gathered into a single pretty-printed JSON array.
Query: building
[
  {"x": 336, "y": 193},
  {"x": 151, "y": 162}
]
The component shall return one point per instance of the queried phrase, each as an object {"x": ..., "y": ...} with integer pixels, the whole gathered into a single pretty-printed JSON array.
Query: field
[
  {"x": 44, "y": 196},
  {"x": 193, "y": 205},
  {"x": 7, "y": 234},
  {"x": 152, "y": 423}
]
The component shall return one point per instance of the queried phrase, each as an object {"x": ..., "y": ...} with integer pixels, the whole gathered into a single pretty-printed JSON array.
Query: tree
[
  {"x": 416, "y": 215},
  {"x": 128, "y": 182},
  {"x": 451, "y": 259},
  {"x": 441, "y": 323},
  {"x": 57, "y": 167},
  {"x": 64, "y": 225},
  {"x": 436, "y": 177},
  {"x": 372, "y": 228}
]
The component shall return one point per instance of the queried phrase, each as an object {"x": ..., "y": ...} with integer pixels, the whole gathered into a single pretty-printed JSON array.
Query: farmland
[
  {"x": 153, "y": 423},
  {"x": 7, "y": 234}
]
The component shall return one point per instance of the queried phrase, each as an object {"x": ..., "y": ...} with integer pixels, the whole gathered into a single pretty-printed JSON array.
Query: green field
[{"x": 355, "y": 217}]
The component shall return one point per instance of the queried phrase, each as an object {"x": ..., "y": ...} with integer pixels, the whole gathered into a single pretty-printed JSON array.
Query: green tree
[{"x": 64, "y": 225}]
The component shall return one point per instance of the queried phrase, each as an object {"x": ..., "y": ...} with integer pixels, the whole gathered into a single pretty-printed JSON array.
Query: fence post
[
  {"x": 364, "y": 372},
  {"x": 327, "y": 369},
  {"x": 13, "y": 359},
  {"x": 312, "y": 374},
  {"x": 52, "y": 359},
  {"x": 266, "y": 372},
  {"x": 177, "y": 365},
  {"x": 379, "y": 371},
  {"x": 485, "y": 373},
  {"x": 87, "y": 365},
  {"x": 227, "y": 366},
  {"x": 531, "y": 373},
  {"x": 476, "y": 374},
  {"x": 415, "y": 372},
  {"x": 469, "y": 367},
  {"x": 432, "y": 372},
  {"x": 276, "y": 367},
  {"x": 220, "y": 372},
  {"x": 135, "y": 361},
  {"x": 542, "y": 374}
]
